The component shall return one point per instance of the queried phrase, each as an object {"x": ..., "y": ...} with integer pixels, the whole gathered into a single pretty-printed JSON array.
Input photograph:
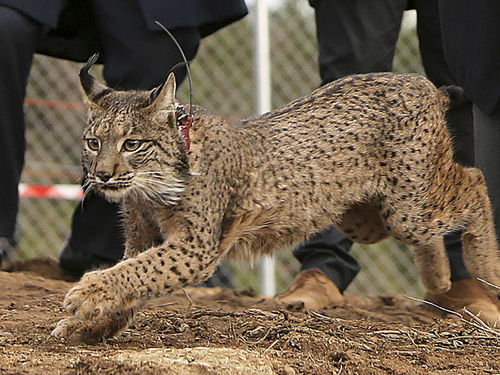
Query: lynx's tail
[{"x": 455, "y": 95}]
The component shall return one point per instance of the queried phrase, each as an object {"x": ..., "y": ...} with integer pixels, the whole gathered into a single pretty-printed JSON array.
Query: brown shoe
[
  {"x": 473, "y": 296},
  {"x": 312, "y": 290}
]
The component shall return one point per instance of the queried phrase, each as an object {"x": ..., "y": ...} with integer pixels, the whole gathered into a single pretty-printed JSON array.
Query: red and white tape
[{"x": 61, "y": 191}]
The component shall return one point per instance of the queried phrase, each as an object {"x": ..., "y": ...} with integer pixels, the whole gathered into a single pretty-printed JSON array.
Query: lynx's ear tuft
[
  {"x": 163, "y": 97},
  {"x": 92, "y": 88}
]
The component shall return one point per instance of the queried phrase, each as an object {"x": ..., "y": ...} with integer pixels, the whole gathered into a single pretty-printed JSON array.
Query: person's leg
[
  {"x": 356, "y": 36},
  {"x": 135, "y": 58},
  {"x": 353, "y": 37},
  {"x": 487, "y": 155},
  {"x": 459, "y": 118},
  {"x": 19, "y": 36},
  {"x": 471, "y": 141},
  {"x": 436, "y": 69},
  {"x": 487, "y": 158},
  {"x": 328, "y": 252},
  {"x": 96, "y": 239}
]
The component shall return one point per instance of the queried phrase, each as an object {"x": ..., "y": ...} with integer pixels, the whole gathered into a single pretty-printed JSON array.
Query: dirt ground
[{"x": 225, "y": 332}]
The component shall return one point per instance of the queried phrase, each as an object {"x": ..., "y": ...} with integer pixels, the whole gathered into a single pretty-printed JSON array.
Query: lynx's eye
[
  {"x": 131, "y": 145},
  {"x": 93, "y": 144}
]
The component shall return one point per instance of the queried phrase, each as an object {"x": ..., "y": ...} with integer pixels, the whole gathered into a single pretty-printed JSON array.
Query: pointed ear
[
  {"x": 163, "y": 97},
  {"x": 92, "y": 88}
]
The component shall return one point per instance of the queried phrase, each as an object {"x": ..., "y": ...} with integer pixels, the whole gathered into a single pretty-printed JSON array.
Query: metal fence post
[{"x": 263, "y": 99}]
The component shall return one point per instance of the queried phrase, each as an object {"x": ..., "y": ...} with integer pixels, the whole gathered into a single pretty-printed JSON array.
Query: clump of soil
[{"x": 225, "y": 332}]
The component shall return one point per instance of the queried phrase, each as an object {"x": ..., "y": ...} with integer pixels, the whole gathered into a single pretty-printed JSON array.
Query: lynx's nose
[{"x": 103, "y": 175}]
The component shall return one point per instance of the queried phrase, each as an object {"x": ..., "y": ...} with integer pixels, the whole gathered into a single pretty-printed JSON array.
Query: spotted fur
[{"x": 370, "y": 153}]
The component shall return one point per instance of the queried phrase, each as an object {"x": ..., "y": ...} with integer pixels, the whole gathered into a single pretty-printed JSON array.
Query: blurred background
[{"x": 223, "y": 82}]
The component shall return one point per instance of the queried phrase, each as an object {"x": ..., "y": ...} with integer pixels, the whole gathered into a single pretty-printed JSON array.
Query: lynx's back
[{"x": 361, "y": 121}]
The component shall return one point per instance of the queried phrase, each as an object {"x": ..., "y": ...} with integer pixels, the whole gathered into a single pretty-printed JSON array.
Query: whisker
[
  {"x": 157, "y": 172},
  {"x": 160, "y": 174},
  {"x": 162, "y": 183},
  {"x": 145, "y": 188}
]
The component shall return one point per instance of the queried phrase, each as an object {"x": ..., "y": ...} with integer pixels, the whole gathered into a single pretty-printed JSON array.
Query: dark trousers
[
  {"x": 18, "y": 37},
  {"x": 135, "y": 58},
  {"x": 360, "y": 36},
  {"x": 487, "y": 154}
]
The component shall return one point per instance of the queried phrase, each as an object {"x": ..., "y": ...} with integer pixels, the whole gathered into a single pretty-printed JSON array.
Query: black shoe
[
  {"x": 7, "y": 247},
  {"x": 75, "y": 263},
  {"x": 222, "y": 277}
]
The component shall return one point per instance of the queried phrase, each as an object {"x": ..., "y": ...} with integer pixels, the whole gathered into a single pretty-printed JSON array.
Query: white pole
[
  {"x": 262, "y": 58},
  {"x": 263, "y": 98}
]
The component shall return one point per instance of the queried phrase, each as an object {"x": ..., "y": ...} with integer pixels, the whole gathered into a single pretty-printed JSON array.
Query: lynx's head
[{"x": 132, "y": 146}]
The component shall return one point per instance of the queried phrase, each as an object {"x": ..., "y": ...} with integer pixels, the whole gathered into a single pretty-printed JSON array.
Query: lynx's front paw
[
  {"x": 96, "y": 295},
  {"x": 93, "y": 332}
]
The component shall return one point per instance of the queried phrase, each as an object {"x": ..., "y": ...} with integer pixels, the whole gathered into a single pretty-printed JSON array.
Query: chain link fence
[{"x": 223, "y": 80}]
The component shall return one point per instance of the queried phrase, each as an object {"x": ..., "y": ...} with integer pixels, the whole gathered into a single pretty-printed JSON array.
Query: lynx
[{"x": 370, "y": 153}]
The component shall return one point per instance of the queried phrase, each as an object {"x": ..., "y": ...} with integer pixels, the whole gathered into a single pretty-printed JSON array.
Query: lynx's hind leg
[
  {"x": 479, "y": 242},
  {"x": 403, "y": 221},
  {"x": 362, "y": 223},
  {"x": 432, "y": 263}
]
